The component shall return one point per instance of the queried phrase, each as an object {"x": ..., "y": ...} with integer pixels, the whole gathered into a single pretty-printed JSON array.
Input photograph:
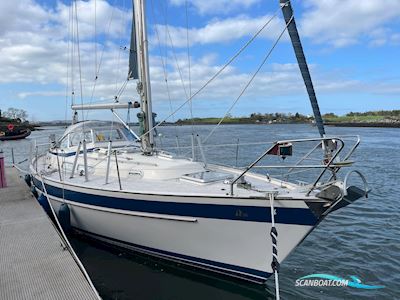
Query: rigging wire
[
  {"x": 233, "y": 58},
  {"x": 98, "y": 67},
  {"x": 95, "y": 39},
  {"x": 213, "y": 77},
  {"x": 68, "y": 63},
  {"x": 177, "y": 63},
  {"x": 121, "y": 90},
  {"x": 72, "y": 56},
  {"x": 164, "y": 65},
  {"x": 189, "y": 65},
  {"x": 79, "y": 60},
  {"x": 249, "y": 82},
  {"x": 118, "y": 72},
  {"x": 165, "y": 34},
  {"x": 118, "y": 68},
  {"x": 169, "y": 38}
]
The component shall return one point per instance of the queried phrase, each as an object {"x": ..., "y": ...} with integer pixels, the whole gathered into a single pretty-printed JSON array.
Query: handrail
[
  {"x": 294, "y": 167},
  {"x": 327, "y": 166},
  {"x": 351, "y": 151},
  {"x": 305, "y": 156},
  {"x": 250, "y": 166},
  {"x": 356, "y": 144}
]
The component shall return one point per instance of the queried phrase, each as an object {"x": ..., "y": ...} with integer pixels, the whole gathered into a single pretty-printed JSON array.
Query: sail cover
[{"x": 133, "y": 62}]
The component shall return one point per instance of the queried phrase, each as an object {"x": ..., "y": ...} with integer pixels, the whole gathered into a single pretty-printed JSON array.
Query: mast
[
  {"x": 301, "y": 60},
  {"x": 143, "y": 87}
]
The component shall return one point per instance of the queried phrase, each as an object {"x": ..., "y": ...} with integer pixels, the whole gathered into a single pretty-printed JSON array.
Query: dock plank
[{"x": 33, "y": 262}]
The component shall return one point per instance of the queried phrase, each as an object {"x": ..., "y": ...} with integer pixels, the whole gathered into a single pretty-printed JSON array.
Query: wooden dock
[{"x": 33, "y": 261}]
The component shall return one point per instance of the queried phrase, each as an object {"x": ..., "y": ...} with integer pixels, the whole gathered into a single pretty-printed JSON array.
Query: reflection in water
[{"x": 119, "y": 274}]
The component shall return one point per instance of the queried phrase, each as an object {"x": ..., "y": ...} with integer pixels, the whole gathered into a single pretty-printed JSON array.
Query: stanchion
[{"x": 3, "y": 182}]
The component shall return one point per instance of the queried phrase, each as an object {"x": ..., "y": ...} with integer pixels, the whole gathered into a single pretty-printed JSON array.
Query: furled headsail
[
  {"x": 301, "y": 59},
  {"x": 133, "y": 60}
]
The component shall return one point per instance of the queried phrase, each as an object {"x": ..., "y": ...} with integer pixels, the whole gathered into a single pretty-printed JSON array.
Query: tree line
[{"x": 14, "y": 113}]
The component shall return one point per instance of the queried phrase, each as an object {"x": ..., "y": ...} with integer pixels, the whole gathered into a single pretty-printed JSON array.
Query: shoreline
[
  {"x": 366, "y": 124},
  {"x": 333, "y": 124}
]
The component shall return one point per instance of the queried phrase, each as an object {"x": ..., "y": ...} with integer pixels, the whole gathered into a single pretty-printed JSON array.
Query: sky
[{"x": 352, "y": 48}]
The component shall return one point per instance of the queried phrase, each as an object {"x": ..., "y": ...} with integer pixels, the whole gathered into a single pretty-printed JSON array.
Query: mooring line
[
  {"x": 274, "y": 237},
  {"x": 66, "y": 241}
]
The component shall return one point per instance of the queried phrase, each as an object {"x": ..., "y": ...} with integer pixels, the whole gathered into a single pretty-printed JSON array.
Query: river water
[{"x": 361, "y": 240}]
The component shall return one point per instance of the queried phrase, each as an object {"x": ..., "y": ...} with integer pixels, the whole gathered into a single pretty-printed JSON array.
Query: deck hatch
[{"x": 207, "y": 176}]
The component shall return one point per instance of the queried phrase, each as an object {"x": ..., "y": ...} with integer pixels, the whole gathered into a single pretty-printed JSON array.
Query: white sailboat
[{"x": 121, "y": 189}]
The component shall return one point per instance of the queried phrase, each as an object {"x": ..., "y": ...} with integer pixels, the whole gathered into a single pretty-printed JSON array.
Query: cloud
[
  {"x": 391, "y": 88},
  {"x": 222, "y": 31},
  {"x": 275, "y": 80},
  {"x": 34, "y": 39},
  {"x": 34, "y": 44},
  {"x": 23, "y": 95},
  {"x": 110, "y": 20},
  {"x": 21, "y": 15},
  {"x": 217, "y": 6},
  {"x": 344, "y": 23}
]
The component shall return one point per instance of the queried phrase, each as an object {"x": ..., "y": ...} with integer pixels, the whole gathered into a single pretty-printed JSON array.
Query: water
[{"x": 362, "y": 240}]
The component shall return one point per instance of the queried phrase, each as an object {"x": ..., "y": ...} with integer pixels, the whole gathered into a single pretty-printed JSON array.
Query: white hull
[
  {"x": 181, "y": 209},
  {"x": 238, "y": 248}
]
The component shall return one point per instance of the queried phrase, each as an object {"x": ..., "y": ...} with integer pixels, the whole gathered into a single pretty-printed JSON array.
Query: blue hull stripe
[
  {"x": 284, "y": 215},
  {"x": 232, "y": 270},
  {"x": 68, "y": 154}
]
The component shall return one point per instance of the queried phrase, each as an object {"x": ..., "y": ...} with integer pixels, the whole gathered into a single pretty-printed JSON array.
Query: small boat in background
[
  {"x": 17, "y": 134},
  {"x": 13, "y": 129}
]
